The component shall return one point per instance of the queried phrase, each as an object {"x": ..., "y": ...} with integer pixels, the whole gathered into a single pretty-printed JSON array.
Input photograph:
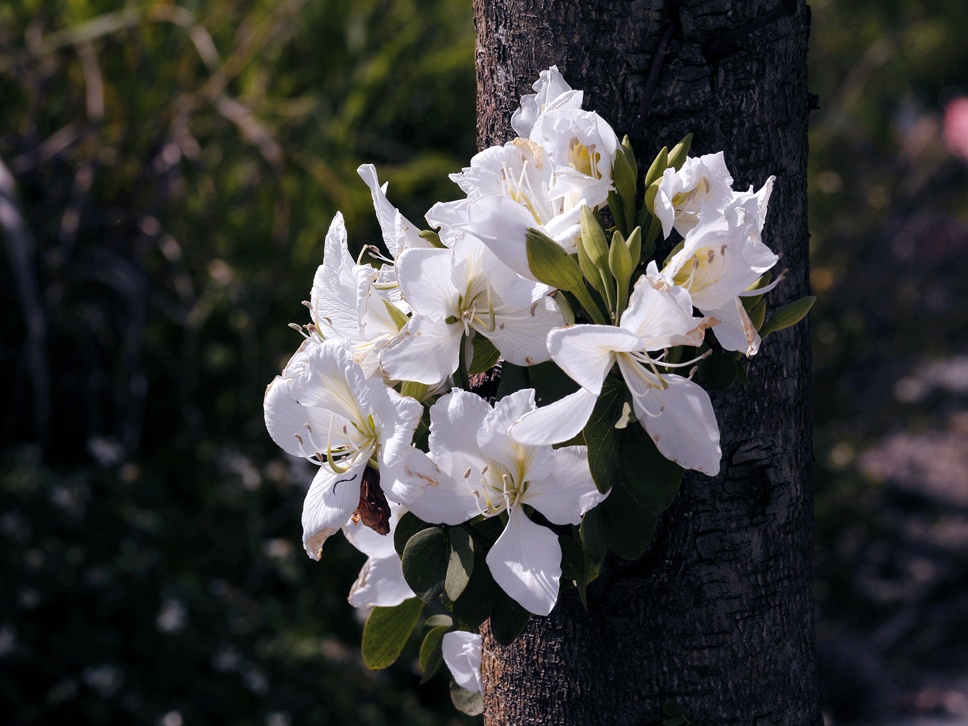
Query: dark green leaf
[
  {"x": 601, "y": 436},
  {"x": 431, "y": 655},
  {"x": 649, "y": 478},
  {"x": 460, "y": 566},
  {"x": 513, "y": 378},
  {"x": 474, "y": 605},
  {"x": 788, "y": 315},
  {"x": 407, "y": 527},
  {"x": 387, "y": 631},
  {"x": 425, "y": 560},
  {"x": 628, "y": 526},
  {"x": 550, "y": 383},
  {"x": 485, "y": 355},
  {"x": 718, "y": 372},
  {"x": 508, "y": 620}
]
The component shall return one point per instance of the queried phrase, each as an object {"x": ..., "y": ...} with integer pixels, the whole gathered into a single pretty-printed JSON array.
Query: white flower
[
  {"x": 462, "y": 654},
  {"x": 381, "y": 582},
  {"x": 484, "y": 472},
  {"x": 347, "y": 302},
  {"x": 322, "y": 407},
  {"x": 582, "y": 148},
  {"x": 674, "y": 411},
  {"x": 682, "y": 194},
  {"x": 720, "y": 258},
  {"x": 462, "y": 291},
  {"x": 509, "y": 189},
  {"x": 551, "y": 92}
]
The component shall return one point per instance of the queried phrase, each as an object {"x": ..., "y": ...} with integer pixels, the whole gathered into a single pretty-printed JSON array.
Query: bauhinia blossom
[
  {"x": 674, "y": 411},
  {"x": 721, "y": 257},
  {"x": 482, "y": 471},
  {"x": 323, "y": 408},
  {"x": 462, "y": 654},
  {"x": 460, "y": 292}
]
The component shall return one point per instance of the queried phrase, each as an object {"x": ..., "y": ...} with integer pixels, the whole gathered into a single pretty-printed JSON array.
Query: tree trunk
[{"x": 718, "y": 616}]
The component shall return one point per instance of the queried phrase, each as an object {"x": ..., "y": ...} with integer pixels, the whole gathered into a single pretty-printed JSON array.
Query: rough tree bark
[{"x": 718, "y": 615}]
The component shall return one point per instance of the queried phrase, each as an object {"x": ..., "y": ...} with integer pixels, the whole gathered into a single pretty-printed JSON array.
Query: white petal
[
  {"x": 330, "y": 502},
  {"x": 587, "y": 352},
  {"x": 398, "y": 231},
  {"x": 334, "y": 299},
  {"x": 425, "y": 351},
  {"x": 661, "y": 315},
  {"x": 521, "y": 335},
  {"x": 679, "y": 419},
  {"x": 396, "y": 418},
  {"x": 502, "y": 225},
  {"x": 380, "y": 583},
  {"x": 370, "y": 543},
  {"x": 735, "y": 330},
  {"x": 455, "y": 420},
  {"x": 462, "y": 654},
  {"x": 569, "y": 491},
  {"x": 537, "y": 462},
  {"x": 526, "y": 563},
  {"x": 426, "y": 281},
  {"x": 556, "y": 422}
]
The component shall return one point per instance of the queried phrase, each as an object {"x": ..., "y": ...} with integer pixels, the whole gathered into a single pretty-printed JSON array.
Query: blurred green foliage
[{"x": 176, "y": 167}]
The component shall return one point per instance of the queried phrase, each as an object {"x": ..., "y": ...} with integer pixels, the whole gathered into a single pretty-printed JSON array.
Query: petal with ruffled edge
[
  {"x": 462, "y": 654},
  {"x": 662, "y": 318},
  {"x": 526, "y": 563},
  {"x": 555, "y": 422},
  {"x": 380, "y": 584},
  {"x": 330, "y": 502},
  {"x": 678, "y": 418},
  {"x": 569, "y": 491}
]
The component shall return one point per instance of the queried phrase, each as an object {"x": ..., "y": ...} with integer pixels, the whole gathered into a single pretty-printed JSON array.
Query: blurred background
[{"x": 167, "y": 175}]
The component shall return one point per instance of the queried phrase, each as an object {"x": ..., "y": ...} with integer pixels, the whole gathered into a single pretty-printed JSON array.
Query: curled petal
[{"x": 330, "y": 502}]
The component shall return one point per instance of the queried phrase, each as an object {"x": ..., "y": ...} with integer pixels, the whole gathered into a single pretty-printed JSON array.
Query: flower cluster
[{"x": 490, "y": 497}]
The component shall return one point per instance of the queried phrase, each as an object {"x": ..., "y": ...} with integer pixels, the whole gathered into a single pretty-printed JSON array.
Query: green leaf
[
  {"x": 386, "y": 632},
  {"x": 513, "y": 378},
  {"x": 425, "y": 560},
  {"x": 485, "y": 355},
  {"x": 469, "y": 702},
  {"x": 658, "y": 166},
  {"x": 648, "y": 477},
  {"x": 475, "y": 604},
  {"x": 758, "y": 313},
  {"x": 596, "y": 248},
  {"x": 628, "y": 526},
  {"x": 550, "y": 264},
  {"x": 601, "y": 436},
  {"x": 435, "y": 621},
  {"x": 788, "y": 315},
  {"x": 677, "y": 157},
  {"x": 718, "y": 372},
  {"x": 550, "y": 383},
  {"x": 431, "y": 655},
  {"x": 432, "y": 237},
  {"x": 406, "y": 528},
  {"x": 508, "y": 620},
  {"x": 396, "y": 314},
  {"x": 460, "y": 565}
]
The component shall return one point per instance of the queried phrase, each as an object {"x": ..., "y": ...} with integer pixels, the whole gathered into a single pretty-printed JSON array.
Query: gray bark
[{"x": 718, "y": 615}]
